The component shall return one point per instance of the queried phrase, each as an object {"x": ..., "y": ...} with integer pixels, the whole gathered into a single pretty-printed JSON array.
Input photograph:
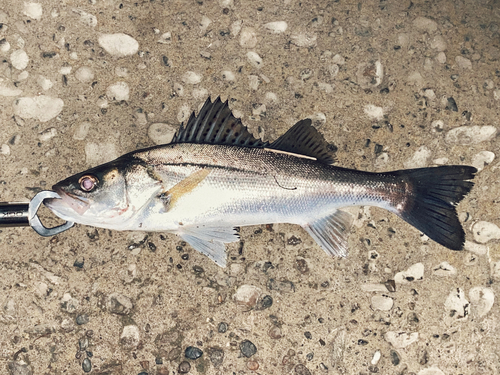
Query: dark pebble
[
  {"x": 159, "y": 360},
  {"x": 216, "y": 356},
  {"x": 373, "y": 369},
  {"x": 198, "y": 269},
  {"x": 89, "y": 354},
  {"x": 301, "y": 265},
  {"x": 308, "y": 335},
  {"x": 79, "y": 263},
  {"x": 300, "y": 369},
  {"x": 222, "y": 327},
  {"x": 394, "y": 357},
  {"x": 152, "y": 247},
  {"x": 143, "y": 373},
  {"x": 267, "y": 265},
  {"x": 83, "y": 343},
  {"x": 193, "y": 352},
  {"x": 86, "y": 365},
  {"x": 452, "y": 105},
  {"x": 293, "y": 241},
  {"x": 390, "y": 285},
  {"x": 89, "y": 333},
  {"x": 174, "y": 354},
  {"x": 82, "y": 319},
  {"x": 283, "y": 286},
  {"x": 264, "y": 303},
  {"x": 310, "y": 356},
  {"x": 184, "y": 367},
  {"x": 362, "y": 342},
  {"x": 247, "y": 348},
  {"x": 185, "y": 256}
]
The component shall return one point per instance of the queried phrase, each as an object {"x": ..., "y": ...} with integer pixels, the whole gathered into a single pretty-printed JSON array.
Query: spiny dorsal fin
[
  {"x": 304, "y": 139},
  {"x": 215, "y": 124}
]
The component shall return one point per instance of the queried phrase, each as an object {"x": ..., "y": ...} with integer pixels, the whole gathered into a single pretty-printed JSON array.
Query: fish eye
[{"x": 88, "y": 182}]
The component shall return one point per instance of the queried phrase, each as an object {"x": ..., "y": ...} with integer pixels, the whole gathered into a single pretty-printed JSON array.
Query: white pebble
[
  {"x": 248, "y": 37},
  {"x": 428, "y": 65},
  {"x": 4, "y": 45},
  {"x": 84, "y": 74},
  {"x": 489, "y": 84},
  {"x": 119, "y": 45},
  {"x": 65, "y": 70},
  {"x": 429, "y": 94},
  {"x": 183, "y": 113},
  {"x": 374, "y": 112},
  {"x": 456, "y": 302},
  {"x": 413, "y": 273},
  {"x": 481, "y": 300},
  {"x": 306, "y": 39},
  {"x": 81, "y": 131},
  {"x": 140, "y": 119},
  {"x": 419, "y": 159},
  {"x": 236, "y": 27},
  {"x": 99, "y": 153},
  {"x": 42, "y": 107},
  {"x": 5, "y": 150},
  {"x": 401, "y": 340},
  {"x": 161, "y": 133},
  {"x": 247, "y": 295},
  {"x": 326, "y": 87},
  {"x": 368, "y": 75},
  {"x": 165, "y": 38},
  {"x": 86, "y": 18},
  {"x": 253, "y": 82},
  {"x": 121, "y": 72},
  {"x": 469, "y": 135},
  {"x": 191, "y": 78},
  {"x": 415, "y": 79},
  {"x": 382, "y": 302},
  {"x": 257, "y": 111},
  {"x": 463, "y": 63},
  {"x": 102, "y": 102},
  {"x": 441, "y": 161},
  {"x": 437, "y": 125},
  {"x": 438, "y": 43},
  {"x": 496, "y": 94},
  {"x": 8, "y": 89},
  {"x": 376, "y": 357},
  {"x": 33, "y": 10},
  {"x": 271, "y": 97},
  {"x": 476, "y": 248},
  {"x": 441, "y": 58},
  {"x": 333, "y": 69},
  {"x": 226, "y": 3},
  {"x": 445, "y": 269},
  {"x": 382, "y": 160},
  {"x": 204, "y": 23},
  {"x": 44, "y": 83},
  {"x": 178, "y": 89},
  {"x": 47, "y": 134},
  {"x": 431, "y": 371},
  {"x": 484, "y": 232},
  {"x": 130, "y": 337},
  {"x": 482, "y": 159},
  {"x": 276, "y": 27},
  {"x": 73, "y": 56},
  {"x": 19, "y": 59},
  {"x": 200, "y": 93},
  {"x": 425, "y": 24},
  {"x": 337, "y": 59},
  {"x": 318, "y": 119},
  {"x": 118, "y": 91},
  {"x": 403, "y": 40},
  {"x": 254, "y": 59},
  {"x": 228, "y": 75}
]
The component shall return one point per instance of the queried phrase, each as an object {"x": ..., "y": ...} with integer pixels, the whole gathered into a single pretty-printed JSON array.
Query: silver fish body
[{"x": 202, "y": 190}]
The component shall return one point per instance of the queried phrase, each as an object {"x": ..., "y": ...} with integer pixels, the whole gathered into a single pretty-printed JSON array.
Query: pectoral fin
[
  {"x": 209, "y": 240},
  {"x": 331, "y": 232},
  {"x": 185, "y": 186}
]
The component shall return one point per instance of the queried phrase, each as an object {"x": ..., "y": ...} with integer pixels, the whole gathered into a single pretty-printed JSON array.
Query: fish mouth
[{"x": 69, "y": 201}]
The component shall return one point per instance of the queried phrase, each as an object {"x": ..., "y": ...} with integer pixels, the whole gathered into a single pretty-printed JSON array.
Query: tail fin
[{"x": 431, "y": 203}]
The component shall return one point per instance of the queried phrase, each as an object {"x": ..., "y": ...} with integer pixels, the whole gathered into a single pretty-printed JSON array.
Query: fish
[{"x": 215, "y": 177}]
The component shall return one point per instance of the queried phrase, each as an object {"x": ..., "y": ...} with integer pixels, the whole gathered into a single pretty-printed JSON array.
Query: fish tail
[{"x": 430, "y": 205}]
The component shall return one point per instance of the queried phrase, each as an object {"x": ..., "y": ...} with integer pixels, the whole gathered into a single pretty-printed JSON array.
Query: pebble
[
  {"x": 98, "y": 153},
  {"x": 83, "y": 343},
  {"x": 222, "y": 328},
  {"x": 485, "y": 231},
  {"x": 84, "y": 74},
  {"x": 165, "y": 38},
  {"x": 5, "y": 149},
  {"x": 275, "y": 333},
  {"x": 33, "y": 10},
  {"x": 82, "y": 319},
  {"x": 415, "y": 79},
  {"x": 247, "y": 295},
  {"x": 204, "y": 23},
  {"x": 81, "y": 131},
  {"x": 431, "y": 371},
  {"x": 481, "y": 300},
  {"x": 457, "y": 304},
  {"x": 118, "y": 91},
  {"x": 8, "y": 89},
  {"x": 227, "y": 75},
  {"x": 445, "y": 269},
  {"x": 4, "y": 45},
  {"x": 376, "y": 357},
  {"x": 264, "y": 303},
  {"x": 469, "y": 135},
  {"x": 425, "y": 24},
  {"x": 254, "y": 59},
  {"x": 119, "y": 44},
  {"x": 382, "y": 302},
  {"x": 161, "y": 133},
  {"x": 438, "y": 43},
  {"x": 463, "y": 63},
  {"x": 401, "y": 340},
  {"x": 276, "y": 27},
  {"x": 419, "y": 159},
  {"x": 47, "y": 134},
  {"x": 193, "y": 352},
  {"x": 283, "y": 286},
  {"x": 19, "y": 368},
  {"x": 86, "y": 19},
  {"x": 248, "y": 37},
  {"x": 300, "y": 369},
  {"x": 253, "y": 365},
  {"x": 247, "y": 348},
  {"x": 69, "y": 304},
  {"x": 130, "y": 337},
  {"x": 236, "y": 27},
  {"x": 119, "y": 304},
  {"x": 369, "y": 75},
  {"x": 191, "y": 78},
  {"x": 200, "y": 93},
  {"x": 253, "y": 82},
  {"x": 373, "y": 112},
  {"x": 413, "y": 273},
  {"x": 184, "y": 367},
  {"x": 482, "y": 159},
  {"x": 476, "y": 248},
  {"x": 304, "y": 39},
  {"x": 216, "y": 356},
  {"x": 19, "y": 59},
  {"x": 437, "y": 125},
  {"x": 42, "y": 107}
]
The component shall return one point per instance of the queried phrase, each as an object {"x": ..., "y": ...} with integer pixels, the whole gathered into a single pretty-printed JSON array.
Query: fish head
[{"x": 95, "y": 197}]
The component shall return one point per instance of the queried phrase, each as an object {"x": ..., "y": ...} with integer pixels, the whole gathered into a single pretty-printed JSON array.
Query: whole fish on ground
[{"x": 215, "y": 176}]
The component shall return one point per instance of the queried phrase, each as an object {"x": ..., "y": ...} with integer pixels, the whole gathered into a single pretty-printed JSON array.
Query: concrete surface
[{"x": 392, "y": 84}]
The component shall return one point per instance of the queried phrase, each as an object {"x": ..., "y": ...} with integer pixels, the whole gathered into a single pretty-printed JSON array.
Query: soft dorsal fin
[
  {"x": 304, "y": 139},
  {"x": 215, "y": 124}
]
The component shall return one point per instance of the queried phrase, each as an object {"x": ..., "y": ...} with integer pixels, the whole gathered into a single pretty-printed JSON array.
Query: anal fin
[{"x": 331, "y": 232}]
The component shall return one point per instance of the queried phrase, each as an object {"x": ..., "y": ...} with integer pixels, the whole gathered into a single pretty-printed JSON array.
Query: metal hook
[{"x": 35, "y": 222}]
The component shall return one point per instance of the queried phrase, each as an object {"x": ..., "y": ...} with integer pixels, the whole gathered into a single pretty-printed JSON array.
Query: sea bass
[{"x": 215, "y": 176}]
